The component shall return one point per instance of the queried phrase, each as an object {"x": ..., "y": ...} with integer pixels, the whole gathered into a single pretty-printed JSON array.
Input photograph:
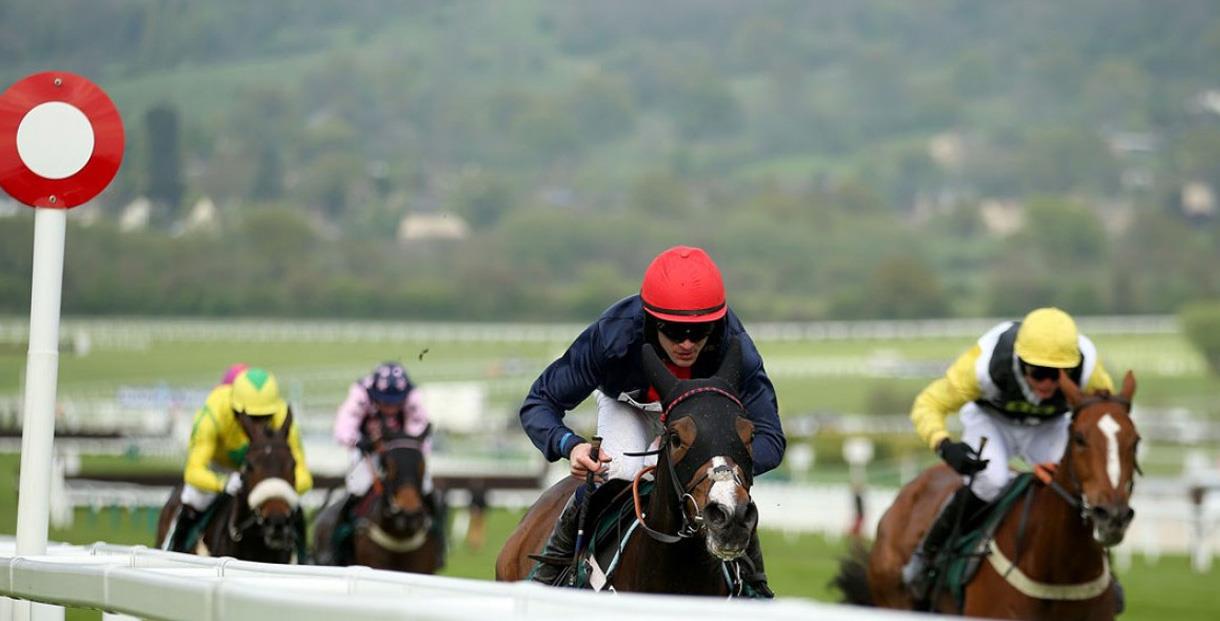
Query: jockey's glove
[
  {"x": 233, "y": 484},
  {"x": 960, "y": 457},
  {"x": 365, "y": 445}
]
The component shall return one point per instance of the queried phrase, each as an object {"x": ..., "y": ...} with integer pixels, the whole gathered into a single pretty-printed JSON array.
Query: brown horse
[
  {"x": 699, "y": 515},
  {"x": 1058, "y": 567},
  {"x": 398, "y": 531},
  {"x": 263, "y": 522}
]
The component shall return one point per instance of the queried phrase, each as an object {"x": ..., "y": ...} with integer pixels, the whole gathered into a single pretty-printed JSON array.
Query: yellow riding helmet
[
  {"x": 1048, "y": 338},
  {"x": 256, "y": 393}
]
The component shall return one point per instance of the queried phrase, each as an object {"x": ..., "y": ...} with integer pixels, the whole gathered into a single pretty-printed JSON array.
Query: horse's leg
[
  {"x": 168, "y": 513},
  {"x": 323, "y": 534}
]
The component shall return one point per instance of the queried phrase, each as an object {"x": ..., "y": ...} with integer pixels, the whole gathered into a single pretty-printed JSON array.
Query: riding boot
[
  {"x": 184, "y": 522},
  {"x": 559, "y": 549},
  {"x": 298, "y": 525},
  {"x": 916, "y": 573},
  {"x": 440, "y": 517},
  {"x": 757, "y": 581}
]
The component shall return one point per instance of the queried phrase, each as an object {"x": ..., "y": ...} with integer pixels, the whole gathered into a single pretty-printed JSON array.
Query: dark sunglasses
[
  {"x": 679, "y": 332},
  {"x": 1041, "y": 373}
]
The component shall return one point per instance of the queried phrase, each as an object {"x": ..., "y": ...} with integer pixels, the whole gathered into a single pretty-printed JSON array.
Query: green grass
[
  {"x": 798, "y": 565},
  {"x": 326, "y": 368}
]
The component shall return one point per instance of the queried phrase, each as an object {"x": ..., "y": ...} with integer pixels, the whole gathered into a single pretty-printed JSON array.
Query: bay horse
[
  {"x": 699, "y": 515},
  {"x": 262, "y": 522},
  {"x": 1051, "y": 564},
  {"x": 397, "y": 532}
]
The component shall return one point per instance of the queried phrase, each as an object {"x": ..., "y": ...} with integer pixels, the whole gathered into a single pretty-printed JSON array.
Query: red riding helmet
[{"x": 683, "y": 284}]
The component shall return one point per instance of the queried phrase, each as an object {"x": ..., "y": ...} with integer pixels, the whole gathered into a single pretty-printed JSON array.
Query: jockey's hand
[
  {"x": 233, "y": 484},
  {"x": 582, "y": 463},
  {"x": 365, "y": 445},
  {"x": 960, "y": 457}
]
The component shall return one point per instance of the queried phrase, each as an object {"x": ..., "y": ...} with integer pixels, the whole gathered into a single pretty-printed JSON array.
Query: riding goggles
[
  {"x": 1040, "y": 374},
  {"x": 680, "y": 331}
]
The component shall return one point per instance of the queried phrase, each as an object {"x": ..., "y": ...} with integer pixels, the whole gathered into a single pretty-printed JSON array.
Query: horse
[
  {"x": 699, "y": 515},
  {"x": 262, "y": 522},
  {"x": 1047, "y": 560},
  {"x": 397, "y": 533}
]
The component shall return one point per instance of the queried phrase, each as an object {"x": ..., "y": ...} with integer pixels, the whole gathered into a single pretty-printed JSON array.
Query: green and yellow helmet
[
  {"x": 256, "y": 393},
  {"x": 1048, "y": 338}
]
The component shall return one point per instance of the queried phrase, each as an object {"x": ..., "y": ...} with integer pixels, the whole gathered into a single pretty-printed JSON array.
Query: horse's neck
[
  {"x": 1058, "y": 546},
  {"x": 687, "y": 566}
]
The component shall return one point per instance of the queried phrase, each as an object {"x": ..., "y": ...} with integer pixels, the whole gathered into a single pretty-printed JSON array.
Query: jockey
[
  {"x": 681, "y": 310},
  {"x": 384, "y": 400},
  {"x": 218, "y": 447},
  {"x": 1006, "y": 388}
]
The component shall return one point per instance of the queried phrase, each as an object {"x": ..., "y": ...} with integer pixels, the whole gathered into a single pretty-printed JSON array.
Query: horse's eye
[
  {"x": 675, "y": 441},
  {"x": 1078, "y": 438}
]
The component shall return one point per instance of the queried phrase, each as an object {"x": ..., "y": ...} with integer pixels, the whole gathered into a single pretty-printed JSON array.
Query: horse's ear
[
  {"x": 656, "y": 373},
  {"x": 1128, "y": 386},
  {"x": 423, "y": 435},
  {"x": 1070, "y": 390},
  {"x": 253, "y": 431},
  {"x": 286, "y": 428},
  {"x": 730, "y": 367}
]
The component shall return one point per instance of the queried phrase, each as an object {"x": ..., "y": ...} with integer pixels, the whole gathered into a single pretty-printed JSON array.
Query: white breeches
[
  {"x": 196, "y": 498},
  {"x": 1006, "y": 439},
  {"x": 360, "y": 474},
  {"x": 626, "y": 429}
]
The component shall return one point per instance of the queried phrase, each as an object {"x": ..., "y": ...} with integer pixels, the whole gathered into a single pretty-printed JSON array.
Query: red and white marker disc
[{"x": 61, "y": 140}]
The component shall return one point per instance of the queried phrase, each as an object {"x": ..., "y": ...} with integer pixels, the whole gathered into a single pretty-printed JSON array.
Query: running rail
[{"x": 154, "y": 584}]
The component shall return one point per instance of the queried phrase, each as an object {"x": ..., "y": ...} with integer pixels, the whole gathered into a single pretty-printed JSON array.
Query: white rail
[
  {"x": 140, "y": 332},
  {"x": 164, "y": 585}
]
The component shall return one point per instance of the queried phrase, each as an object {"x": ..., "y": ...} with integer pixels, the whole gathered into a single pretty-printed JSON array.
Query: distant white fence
[
  {"x": 136, "y": 333},
  {"x": 163, "y": 585}
]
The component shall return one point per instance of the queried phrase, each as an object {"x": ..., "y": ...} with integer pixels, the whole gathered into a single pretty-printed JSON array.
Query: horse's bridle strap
[{"x": 695, "y": 391}]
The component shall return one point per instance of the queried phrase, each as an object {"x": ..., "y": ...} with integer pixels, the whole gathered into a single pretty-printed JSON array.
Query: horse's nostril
[
  {"x": 1101, "y": 514},
  {"x": 1128, "y": 515},
  {"x": 716, "y": 515}
]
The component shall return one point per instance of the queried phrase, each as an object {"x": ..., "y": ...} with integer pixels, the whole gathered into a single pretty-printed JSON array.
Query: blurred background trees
[{"x": 839, "y": 159}]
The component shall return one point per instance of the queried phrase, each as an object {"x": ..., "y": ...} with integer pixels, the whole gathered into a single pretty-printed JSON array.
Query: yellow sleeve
[
  {"x": 303, "y": 477},
  {"x": 945, "y": 396},
  {"x": 1099, "y": 380},
  {"x": 199, "y": 457}
]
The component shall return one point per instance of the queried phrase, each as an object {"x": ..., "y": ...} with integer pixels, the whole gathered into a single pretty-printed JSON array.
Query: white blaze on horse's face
[
  {"x": 1110, "y": 428},
  {"x": 724, "y": 488}
]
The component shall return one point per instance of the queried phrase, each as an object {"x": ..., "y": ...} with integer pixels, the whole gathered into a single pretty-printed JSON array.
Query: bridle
[
  {"x": 254, "y": 516},
  {"x": 1077, "y": 499},
  {"x": 384, "y": 447},
  {"x": 692, "y": 524}
]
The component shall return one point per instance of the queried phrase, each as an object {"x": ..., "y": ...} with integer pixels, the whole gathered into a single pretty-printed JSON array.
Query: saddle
[
  {"x": 959, "y": 561},
  {"x": 609, "y": 522}
]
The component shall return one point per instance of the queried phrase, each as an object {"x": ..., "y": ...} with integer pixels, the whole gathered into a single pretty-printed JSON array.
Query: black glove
[
  {"x": 365, "y": 445},
  {"x": 960, "y": 457}
]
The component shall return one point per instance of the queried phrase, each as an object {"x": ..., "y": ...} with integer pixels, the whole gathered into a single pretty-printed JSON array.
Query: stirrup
[{"x": 919, "y": 583}]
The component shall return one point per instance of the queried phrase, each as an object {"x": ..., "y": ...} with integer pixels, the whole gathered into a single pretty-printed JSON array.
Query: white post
[{"x": 38, "y": 413}]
